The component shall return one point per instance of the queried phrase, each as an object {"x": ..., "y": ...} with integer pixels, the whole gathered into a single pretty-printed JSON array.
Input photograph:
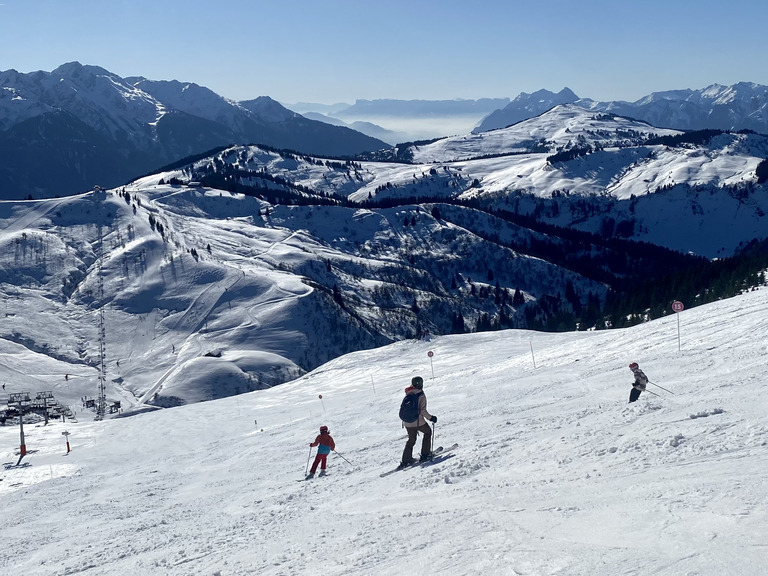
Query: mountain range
[
  {"x": 64, "y": 131},
  {"x": 737, "y": 107},
  {"x": 262, "y": 264}
]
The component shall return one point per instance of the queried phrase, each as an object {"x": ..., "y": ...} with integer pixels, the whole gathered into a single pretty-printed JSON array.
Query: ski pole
[
  {"x": 654, "y": 393},
  {"x": 345, "y": 460},
  {"x": 308, "y": 458},
  {"x": 662, "y": 387},
  {"x": 434, "y": 435}
]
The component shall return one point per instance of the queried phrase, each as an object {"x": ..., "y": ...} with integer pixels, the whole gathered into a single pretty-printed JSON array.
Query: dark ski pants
[
  {"x": 634, "y": 394},
  {"x": 319, "y": 459},
  {"x": 426, "y": 441}
]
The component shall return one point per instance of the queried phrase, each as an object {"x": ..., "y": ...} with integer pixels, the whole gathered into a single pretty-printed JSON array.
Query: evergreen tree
[
  {"x": 762, "y": 171},
  {"x": 337, "y": 296}
]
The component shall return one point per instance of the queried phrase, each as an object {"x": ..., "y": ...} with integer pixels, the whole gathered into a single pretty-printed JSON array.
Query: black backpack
[{"x": 409, "y": 408}]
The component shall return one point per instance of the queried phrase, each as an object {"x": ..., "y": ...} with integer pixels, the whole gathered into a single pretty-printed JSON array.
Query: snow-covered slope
[
  {"x": 555, "y": 472},
  {"x": 698, "y": 197},
  {"x": 99, "y": 98},
  {"x": 523, "y": 107},
  {"x": 262, "y": 292},
  {"x": 566, "y": 125}
]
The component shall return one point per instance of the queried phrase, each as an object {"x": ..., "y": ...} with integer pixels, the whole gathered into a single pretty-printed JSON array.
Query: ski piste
[{"x": 438, "y": 455}]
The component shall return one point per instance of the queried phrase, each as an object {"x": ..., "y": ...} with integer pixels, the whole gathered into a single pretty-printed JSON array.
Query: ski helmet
[
  {"x": 633, "y": 366},
  {"x": 417, "y": 382},
  {"x": 323, "y": 429}
]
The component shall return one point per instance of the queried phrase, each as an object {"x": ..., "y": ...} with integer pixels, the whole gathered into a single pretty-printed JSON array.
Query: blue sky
[{"x": 340, "y": 50}]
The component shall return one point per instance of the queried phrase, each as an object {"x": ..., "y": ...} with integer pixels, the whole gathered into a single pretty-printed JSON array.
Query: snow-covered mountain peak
[
  {"x": 91, "y": 127},
  {"x": 740, "y": 106},
  {"x": 268, "y": 109},
  {"x": 564, "y": 125},
  {"x": 525, "y": 106},
  {"x": 720, "y": 94},
  {"x": 665, "y": 96},
  {"x": 99, "y": 98},
  {"x": 547, "y": 97},
  {"x": 192, "y": 99},
  {"x": 78, "y": 70}
]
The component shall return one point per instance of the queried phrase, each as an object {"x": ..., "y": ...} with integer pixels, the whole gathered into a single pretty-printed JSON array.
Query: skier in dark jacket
[
  {"x": 325, "y": 445},
  {"x": 641, "y": 381},
  {"x": 418, "y": 425}
]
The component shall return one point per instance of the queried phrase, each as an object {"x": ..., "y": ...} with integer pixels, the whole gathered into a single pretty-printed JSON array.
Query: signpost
[
  {"x": 431, "y": 365},
  {"x": 678, "y": 307}
]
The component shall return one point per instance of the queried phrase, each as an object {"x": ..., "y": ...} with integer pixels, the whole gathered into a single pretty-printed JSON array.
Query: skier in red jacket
[{"x": 325, "y": 444}]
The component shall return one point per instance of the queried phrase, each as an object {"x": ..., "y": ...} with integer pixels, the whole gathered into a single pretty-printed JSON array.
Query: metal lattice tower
[{"x": 101, "y": 403}]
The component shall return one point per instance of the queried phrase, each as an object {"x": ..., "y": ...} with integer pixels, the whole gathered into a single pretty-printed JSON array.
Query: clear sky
[{"x": 339, "y": 50}]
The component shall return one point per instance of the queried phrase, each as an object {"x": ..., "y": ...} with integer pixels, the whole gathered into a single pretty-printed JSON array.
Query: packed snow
[{"x": 556, "y": 473}]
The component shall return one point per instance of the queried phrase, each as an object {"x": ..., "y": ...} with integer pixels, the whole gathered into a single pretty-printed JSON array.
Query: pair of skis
[
  {"x": 311, "y": 476},
  {"x": 438, "y": 455}
]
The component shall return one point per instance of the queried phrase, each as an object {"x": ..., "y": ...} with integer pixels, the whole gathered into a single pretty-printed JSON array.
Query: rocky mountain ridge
[
  {"x": 737, "y": 107},
  {"x": 91, "y": 127}
]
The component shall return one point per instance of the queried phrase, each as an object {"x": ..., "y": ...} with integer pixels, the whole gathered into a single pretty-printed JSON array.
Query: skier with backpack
[
  {"x": 414, "y": 415},
  {"x": 325, "y": 445},
  {"x": 640, "y": 383}
]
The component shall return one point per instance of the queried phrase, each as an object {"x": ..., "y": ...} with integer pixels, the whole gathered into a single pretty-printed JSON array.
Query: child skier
[
  {"x": 641, "y": 381},
  {"x": 325, "y": 445}
]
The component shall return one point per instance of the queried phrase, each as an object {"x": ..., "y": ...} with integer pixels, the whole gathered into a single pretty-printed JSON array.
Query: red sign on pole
[
  {"x": 678, "y": 307},
  {"x": 431, "y": 364}
]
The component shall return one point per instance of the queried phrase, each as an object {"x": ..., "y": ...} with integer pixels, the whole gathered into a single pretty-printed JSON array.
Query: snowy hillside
[
  {"x": 523, "y": 107},
  {"x": 259, "y": 293},
  {"x": 555, "y": 473},
  {"x": 262, "y": 265},
  {"x": 563, "y": 127},
  {"x": 598, "y": 168}
]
